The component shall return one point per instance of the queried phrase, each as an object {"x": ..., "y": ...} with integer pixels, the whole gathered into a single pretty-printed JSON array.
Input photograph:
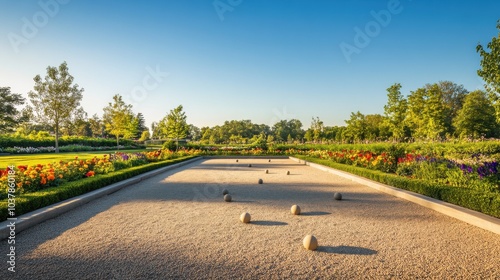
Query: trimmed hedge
[
  {"x": 11, "y": 141},
  {"x": 32, "y": 201},
  {"x": 487, "y": 203}
]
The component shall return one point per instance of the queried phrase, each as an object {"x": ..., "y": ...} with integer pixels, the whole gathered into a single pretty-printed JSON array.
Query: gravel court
[{"x": 176, "y": 225}]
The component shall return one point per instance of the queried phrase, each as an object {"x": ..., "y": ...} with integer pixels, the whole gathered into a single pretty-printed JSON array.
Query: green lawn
[{"x": 33, "y": 159}]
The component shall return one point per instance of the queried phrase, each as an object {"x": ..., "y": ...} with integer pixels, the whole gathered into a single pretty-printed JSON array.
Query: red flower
[{"x": 90, "y": 174}]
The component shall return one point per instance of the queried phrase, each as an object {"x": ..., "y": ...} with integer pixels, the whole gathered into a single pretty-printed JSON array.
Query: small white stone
[
  {"x": 337, "y": 196},
  {"x": 227, "y": 198},
  {"x": 225, "y": 191},
  {"x": 295, "y": 210}
]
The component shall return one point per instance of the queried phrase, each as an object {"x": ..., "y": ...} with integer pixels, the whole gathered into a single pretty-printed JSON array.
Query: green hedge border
[
  {"x": 33, "y": 201},
  {"x": 487, "y": 203}
]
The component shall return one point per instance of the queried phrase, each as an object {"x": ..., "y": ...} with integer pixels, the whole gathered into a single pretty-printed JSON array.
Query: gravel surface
[{"x": 177, "y": 225}]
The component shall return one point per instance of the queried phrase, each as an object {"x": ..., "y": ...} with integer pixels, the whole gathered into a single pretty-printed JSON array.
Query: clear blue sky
[{"x": 262, "y": 60}]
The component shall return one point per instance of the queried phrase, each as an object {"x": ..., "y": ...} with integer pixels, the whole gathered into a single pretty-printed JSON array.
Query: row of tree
[{"x": 434, "y": 111}]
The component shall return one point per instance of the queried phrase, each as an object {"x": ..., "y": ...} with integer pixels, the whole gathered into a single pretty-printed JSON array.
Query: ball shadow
[
  {"x": 346, "y": 250},
  {"x": 315, "y": 213},
  {"x": 269, "y": 223}
]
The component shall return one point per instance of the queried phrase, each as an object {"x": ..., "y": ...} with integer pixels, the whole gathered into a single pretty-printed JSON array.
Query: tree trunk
[
  {"x": 117, "y": 142},
  {"x": 57, "y": 137}
]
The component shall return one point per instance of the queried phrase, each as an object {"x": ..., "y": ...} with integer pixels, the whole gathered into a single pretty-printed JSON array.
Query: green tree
[
  {"x": 9, "y": 115},
  {"x": 414, "y": 120},
  {"x": 194, "y": 133},
  {"x": 317, "y": 129},
  {"x": 435, "y": 114},
  {"x": 176, "y": 126},
  {"x": 477, "y": 117},
  {"x": 96, "y": 126},
  {"x": 395, "y": 111},
  {"x": 356, "y": 129},
  {"x": 374, "y": 126},
  {"x": 145, "y": 135},
  {"x": 490, "y": 69},
  {"x": 56, "y": 98},
  {"x": 140, "y": 125},
  {"x": 119, "y": 119},
  {"x": 453, "y": 98},
  {"x": 76, "y": 124},
  {"x": 283, "y": 128},
  {"x": 309, "y": 135}
]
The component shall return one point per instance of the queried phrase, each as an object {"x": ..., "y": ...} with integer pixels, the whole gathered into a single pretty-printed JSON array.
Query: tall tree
[
  {"x": 292, "y": 127},
  {"x": 374, "y": 126},
  {"x": 395, "y": 111},
  {"x": 141, "y": 125},
  {"x": 435, "y": 114},
  {"x": 176, "y": 125},
  {"x": 96, "y": 126},
  {"x": 9, "y": 115},
  {"x": 194, "y": 133},
  {"x": 477, "y": 117},
  {"x": 317, "y": 127},
  {"x": 76, "y": 124},
  {"x": 56, "y": 98},
  {"x": 356, "y": 129},
  {"x": 490, "y": 69},
  {"x": 119, "y": 119}
]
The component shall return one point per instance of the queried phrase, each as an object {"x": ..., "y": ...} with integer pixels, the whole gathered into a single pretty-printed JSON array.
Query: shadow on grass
[{"x": 347, "y": 250}]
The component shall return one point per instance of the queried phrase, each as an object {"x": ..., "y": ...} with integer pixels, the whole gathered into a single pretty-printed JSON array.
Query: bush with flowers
[{"x": 41, "y": 176}]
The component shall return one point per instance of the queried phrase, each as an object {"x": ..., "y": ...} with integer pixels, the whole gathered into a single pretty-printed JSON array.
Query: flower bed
[{"x": 41, "y": 176}]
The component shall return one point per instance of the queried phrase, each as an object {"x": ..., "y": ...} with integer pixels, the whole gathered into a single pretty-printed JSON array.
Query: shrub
[
  {"x": 482, "y": 201},
  {"x": 32, "y": 201}
]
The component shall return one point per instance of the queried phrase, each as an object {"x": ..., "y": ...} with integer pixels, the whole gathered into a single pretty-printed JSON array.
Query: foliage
[
  {"x": 9, "y": 115},
  {"x": 119, "y": 119},
  {"x": 33, "y": 201},
  {"x": 485, "y": 202},
  {"x": 43, "y": 140},
  {"x": 395, "y": 111},
  {"x": 32, "y": 178},
  {"x": 170, "y": 145},
  {"x": 174, "y": 125},
  {"x": 490, "y": 69},
  {"x": 476, "y": 118},
  {"x": 56, "y": 99}
]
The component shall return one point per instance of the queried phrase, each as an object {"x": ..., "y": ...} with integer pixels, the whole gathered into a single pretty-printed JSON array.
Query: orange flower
[
  {"x": 90, "y": 174},
  {"x": 43, "y": 181},
  {"x": 61, "y": 176},
  {"x": 51, "y": 177}
]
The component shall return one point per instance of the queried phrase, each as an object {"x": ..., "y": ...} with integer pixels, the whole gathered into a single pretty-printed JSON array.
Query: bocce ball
[
  {"x": 245, "y": 217},
  {"x": 310, "y": 242},
  {"x": 295, "y": 210},
  {"x": 337, "y": 196}
]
